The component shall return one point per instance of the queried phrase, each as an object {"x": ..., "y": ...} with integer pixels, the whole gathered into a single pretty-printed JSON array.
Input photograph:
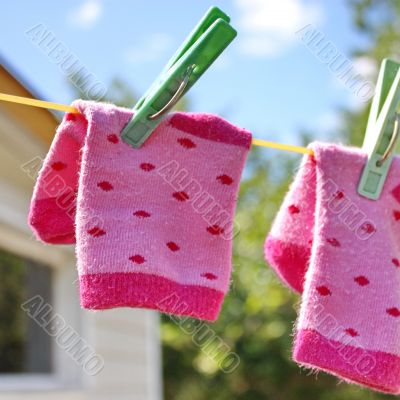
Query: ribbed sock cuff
[
  {"x": 121, "y": 289},
  {"x": 376, "y": 369}
]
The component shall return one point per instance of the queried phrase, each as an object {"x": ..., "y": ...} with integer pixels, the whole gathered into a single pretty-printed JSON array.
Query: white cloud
[
  {"x": 329, "y": 122},
  {"x": 331, "y": 119},
  {"x": 367, "y": 69},
  {"x": 151, "y": 48},
  {"x": 268, "y": 27},
  {"x": 86, "y": 15},
  {"x": 365, "y": 66}
]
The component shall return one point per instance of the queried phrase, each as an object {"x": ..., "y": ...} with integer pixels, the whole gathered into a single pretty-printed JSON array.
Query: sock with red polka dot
[
  {"x": 288, "y": 246},
  {"x": 342, "y": 251},
  {"x": 53, "y": 206},
  {"x": 153, "y": 226}
]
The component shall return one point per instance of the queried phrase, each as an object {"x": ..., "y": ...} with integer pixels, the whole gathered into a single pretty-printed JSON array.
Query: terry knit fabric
[
  {"x": 342, "y": 252},
  {"x": 153, "y": 226}
]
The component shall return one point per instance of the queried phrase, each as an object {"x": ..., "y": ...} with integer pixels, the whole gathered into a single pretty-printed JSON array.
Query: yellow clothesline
[{"x": 70, "y": 109}]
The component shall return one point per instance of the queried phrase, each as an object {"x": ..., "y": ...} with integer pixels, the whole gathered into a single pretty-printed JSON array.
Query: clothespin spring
[
  {"x": 178, "y": 94},
  {"x": 393, "y": 141}
]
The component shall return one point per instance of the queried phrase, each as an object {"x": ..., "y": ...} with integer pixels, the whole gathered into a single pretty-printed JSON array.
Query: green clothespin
[
  {"x": 207, "y": 41},
  {"x": 382, "y": 132}
]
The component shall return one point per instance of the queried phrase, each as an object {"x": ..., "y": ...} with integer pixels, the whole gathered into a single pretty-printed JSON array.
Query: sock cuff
[{"x": 141, "y": 290}]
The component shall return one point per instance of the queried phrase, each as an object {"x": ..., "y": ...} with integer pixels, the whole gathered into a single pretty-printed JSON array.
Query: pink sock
[
  {"x": 153, "y": 225},
  {"x": 350, "y": 312},
  {"x": 288, "y": 246},
  {"x": 52, "y": 213}
]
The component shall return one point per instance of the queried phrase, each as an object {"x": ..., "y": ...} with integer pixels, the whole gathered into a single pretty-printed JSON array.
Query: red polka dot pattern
[
  {"x": 180, "y": 196},
  {"x": 173, "y": 246},
  {"x": 396, "y": 193},
  {"x": 394, "y": 312},
  {"x": 186, "y": 143},
  {"x": 396, "y": 215},
  {"x": 137, "y": 259},
  {"x": 225, "y": 179},
  {"x": 96, "y": 232},
  {"x": 70, "y": 117},
  {"x": 210, "y": 276},
  {"x": 141, "y": 214},
  {"x": 352, "y": 332},
  {"x": 339, "y": 195},
  {"x": 361, "y": 280},
  {"x": 324, "y": 291},
  {"x": 106, "y": 186},
  {"x": 396, "y": 262},
  {"x": 333, "y": 242},
  {"x": 113, "y": 138},
  {"x": 58, "y": 165},
  {"x": 368, "y": 227},
  {"x": 215, "y": 230},
  {"x": 147, "y": 167},
  {"x": 293, "y": 209}
]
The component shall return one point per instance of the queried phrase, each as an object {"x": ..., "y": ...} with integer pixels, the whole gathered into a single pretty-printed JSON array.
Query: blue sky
[{"x": 267, "y": 80}]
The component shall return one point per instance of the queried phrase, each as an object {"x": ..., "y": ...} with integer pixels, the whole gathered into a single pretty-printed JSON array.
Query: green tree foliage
[
  {"x": 378, "y": 21},
  {"x": 12, "y": 327}
]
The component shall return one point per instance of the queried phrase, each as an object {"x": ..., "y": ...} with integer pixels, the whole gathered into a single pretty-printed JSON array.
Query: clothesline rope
[
  {"x": 70, "y": 109},
  {"x": 38, "y": 103}
]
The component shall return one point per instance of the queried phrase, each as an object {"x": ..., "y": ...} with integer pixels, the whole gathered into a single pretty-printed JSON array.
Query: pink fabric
[
  {"x": 151, "y": 223},
  {"x": 137, "y": 289},
  {"x": 342, "y": 252},
  {"x": 351, "y": 362}
]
